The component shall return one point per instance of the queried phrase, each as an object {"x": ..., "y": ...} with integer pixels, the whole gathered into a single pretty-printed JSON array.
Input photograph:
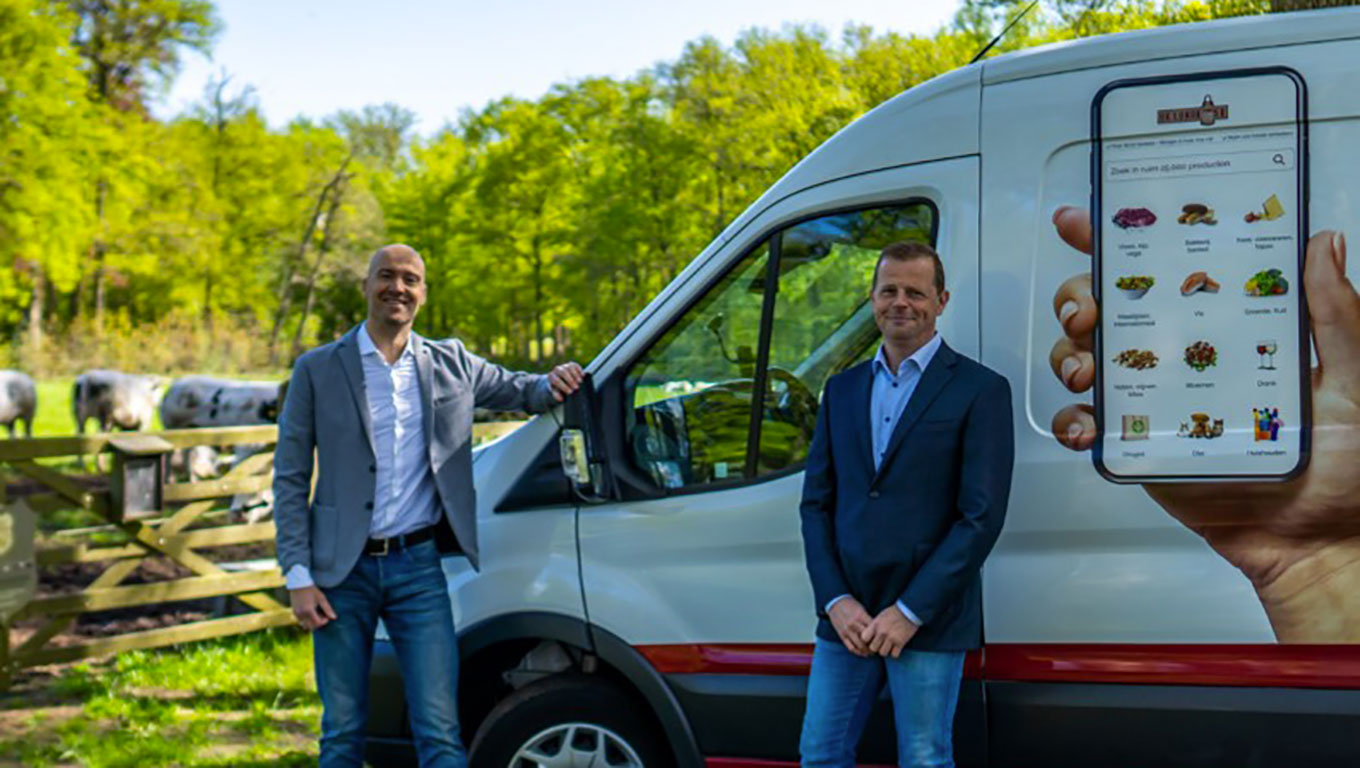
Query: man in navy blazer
[{"x": 905, "y": 492}]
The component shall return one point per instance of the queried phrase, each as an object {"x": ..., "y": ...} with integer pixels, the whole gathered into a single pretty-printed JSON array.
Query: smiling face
[
  {"x": 395, "y": 286},
  {"x": 907, "y": 302}
]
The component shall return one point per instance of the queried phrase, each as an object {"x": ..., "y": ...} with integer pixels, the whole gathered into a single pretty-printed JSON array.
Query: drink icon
[{"x": 1266, "y": 349}]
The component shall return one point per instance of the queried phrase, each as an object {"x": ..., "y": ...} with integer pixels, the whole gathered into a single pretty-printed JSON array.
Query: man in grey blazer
[{"x": 387, "y": 416}]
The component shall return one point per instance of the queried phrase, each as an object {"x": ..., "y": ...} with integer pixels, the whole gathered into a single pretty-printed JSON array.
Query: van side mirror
[
  {"x": 580, "y": 444},
  {"x": 575, "y": 464}
]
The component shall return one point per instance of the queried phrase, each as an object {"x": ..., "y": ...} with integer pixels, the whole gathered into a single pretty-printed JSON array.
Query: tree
[
  {"x": 129, "y": 47},
  {"x": 45, "y": 145}
]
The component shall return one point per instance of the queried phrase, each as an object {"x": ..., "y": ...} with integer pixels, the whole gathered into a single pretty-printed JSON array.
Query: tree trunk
[
  {"x": 207, "y": 300},
  {"x": 337, "y": 195},
  {"x": 35, "y": 310},
  {"x": 285, "y": 285},
  {"x": 99, "y": 248},
  {"x": 538, "y": 301}
]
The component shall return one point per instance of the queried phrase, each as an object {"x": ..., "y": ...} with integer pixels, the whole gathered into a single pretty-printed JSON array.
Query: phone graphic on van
[{"x": 1199, "y": 205}]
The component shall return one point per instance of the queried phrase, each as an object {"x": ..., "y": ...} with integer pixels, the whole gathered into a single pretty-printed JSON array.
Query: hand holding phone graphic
[{"x": 1297, "y": 541}]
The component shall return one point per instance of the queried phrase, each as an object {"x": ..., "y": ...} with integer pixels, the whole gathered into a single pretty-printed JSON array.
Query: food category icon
[
  {"x": 1272, "y": 211},
  {"x": 1201, "y": 355},
  {"x": 1201, "y": 425},
  {"x": 1135, "y": 286},
  {"x": 1267, "y": 282},
  {"x": 1134, "y": 218},
  {"x": 1135, "y": 427},
  {"x": 1137, "y": 359},
  {"x": 1266, "y": 424},
  {"x": 1265, "y": 349},
  {"x": 1197, "y": 282},
  {"x": 1196, "y": 213}
]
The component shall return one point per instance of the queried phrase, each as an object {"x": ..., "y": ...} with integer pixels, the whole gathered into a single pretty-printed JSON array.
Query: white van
[{"x": 660, "y": 612}]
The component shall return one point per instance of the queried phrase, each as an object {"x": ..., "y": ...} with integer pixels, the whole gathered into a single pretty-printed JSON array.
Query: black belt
[{"x": 380, "y": 547}]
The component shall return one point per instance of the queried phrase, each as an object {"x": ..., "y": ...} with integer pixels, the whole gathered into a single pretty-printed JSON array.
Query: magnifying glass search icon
[{"x": 1278, "y": 159}]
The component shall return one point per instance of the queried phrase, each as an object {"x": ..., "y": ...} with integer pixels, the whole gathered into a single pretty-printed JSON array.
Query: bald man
[{"x": 387, "y": 418}]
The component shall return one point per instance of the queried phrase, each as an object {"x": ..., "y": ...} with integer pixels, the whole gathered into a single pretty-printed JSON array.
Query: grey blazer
[{"x": 325, "y": 413}]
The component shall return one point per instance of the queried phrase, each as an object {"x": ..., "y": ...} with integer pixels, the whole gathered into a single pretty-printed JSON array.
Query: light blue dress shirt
[
  {"x": 404, "y": 495},
  {"x": 888, "y": 399}
]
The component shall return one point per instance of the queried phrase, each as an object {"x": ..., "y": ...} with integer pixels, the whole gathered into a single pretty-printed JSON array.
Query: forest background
[{"x": 214, "y": 241}]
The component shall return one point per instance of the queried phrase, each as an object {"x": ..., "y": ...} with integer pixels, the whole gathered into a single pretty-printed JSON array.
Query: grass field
[{"x": 241, "y": 701}]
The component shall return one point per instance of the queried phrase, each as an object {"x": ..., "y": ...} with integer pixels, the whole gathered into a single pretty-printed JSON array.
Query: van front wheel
[{"x": 567, "y": 721}]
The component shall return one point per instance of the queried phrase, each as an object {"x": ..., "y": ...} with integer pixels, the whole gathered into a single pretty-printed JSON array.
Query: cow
[
  {"x": 115, "y": 399},
  {"x": 18, "y": 400},
  {"x": 205, "y": 401}
]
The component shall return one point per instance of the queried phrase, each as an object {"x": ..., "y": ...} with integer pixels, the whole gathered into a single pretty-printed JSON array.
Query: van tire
[{"x": 545, "y": 710}]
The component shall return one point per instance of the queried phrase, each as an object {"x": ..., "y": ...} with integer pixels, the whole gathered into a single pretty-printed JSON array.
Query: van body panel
[
  {"x": 531, "y": 563},
  {"x": 1081, "y": 559}
]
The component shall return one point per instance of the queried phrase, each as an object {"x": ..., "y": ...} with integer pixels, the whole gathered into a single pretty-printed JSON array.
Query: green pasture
[{"x": 240, "y": 701}]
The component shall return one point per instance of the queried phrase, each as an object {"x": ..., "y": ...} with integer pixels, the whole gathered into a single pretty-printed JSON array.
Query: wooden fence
[{"x": 192, "y": 520}]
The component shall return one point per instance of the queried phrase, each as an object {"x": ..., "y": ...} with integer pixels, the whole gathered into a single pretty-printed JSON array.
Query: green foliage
[
  {"x": 216, "y": 241},
  {"x": 45, "y": 144}
]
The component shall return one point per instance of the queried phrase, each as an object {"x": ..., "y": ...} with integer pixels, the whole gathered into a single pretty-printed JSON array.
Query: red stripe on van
[
  {"x": 1276, "y": 666},
  {"x": 753, "y": 659}
]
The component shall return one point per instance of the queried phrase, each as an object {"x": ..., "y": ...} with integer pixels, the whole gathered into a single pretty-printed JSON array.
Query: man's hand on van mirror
[
  {"x": 889, "y": 632},
  {"x": 850, "y": 619},
  {"x": 1298, "y": 542},
  {"x": 565, "y": 379},
  {"x": 310, "y": 606}
]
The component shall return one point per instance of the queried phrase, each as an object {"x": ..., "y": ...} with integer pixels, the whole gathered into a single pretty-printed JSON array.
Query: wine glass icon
[{"x": 1266, "y": 349}]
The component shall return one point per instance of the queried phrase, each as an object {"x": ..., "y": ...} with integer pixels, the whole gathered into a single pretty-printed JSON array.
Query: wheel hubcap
[{"x": 576, "y": 745}]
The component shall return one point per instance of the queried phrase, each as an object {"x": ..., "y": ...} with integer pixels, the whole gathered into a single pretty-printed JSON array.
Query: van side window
[
  {"x": 693, "y": 396},
  {"x": 823, "y": 321},
  {"x": 691, "y": 392}
]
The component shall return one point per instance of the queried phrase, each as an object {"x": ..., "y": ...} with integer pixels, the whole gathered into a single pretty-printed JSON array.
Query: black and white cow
[
  {"x": 205, "y": 401},
  {"x": 115, "y": 399},
  {"x": 18, "y": 400}
]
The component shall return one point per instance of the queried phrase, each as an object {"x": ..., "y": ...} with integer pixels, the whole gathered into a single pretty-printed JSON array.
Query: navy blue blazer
[{"x": 919, "y": 528}]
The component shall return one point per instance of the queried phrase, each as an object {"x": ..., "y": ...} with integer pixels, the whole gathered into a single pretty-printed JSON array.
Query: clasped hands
[{"x": 863, "y": 635}]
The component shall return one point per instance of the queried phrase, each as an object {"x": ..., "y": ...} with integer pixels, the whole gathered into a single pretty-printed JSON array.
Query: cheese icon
[{"x": 1273, "y": 209}]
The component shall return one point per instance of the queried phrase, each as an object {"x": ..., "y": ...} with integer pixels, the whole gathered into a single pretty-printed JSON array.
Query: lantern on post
[{"x": 137, "y": 484}]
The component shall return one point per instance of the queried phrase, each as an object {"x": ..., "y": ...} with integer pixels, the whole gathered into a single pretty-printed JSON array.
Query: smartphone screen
[{"x": 1199, "y": 217}]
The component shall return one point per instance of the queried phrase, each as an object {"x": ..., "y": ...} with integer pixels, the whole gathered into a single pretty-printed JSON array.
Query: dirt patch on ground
[{"x": 71, "y": 578}]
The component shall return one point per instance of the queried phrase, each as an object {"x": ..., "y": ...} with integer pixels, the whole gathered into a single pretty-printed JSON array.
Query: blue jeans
[
  {"x": 407, "y": 590},
  {"x": 842, "y": 690}
]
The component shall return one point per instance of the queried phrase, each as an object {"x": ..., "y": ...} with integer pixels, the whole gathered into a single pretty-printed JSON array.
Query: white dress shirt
[
  {"x": 891, "y": 392},
  {"x": 404, "y": 495}
]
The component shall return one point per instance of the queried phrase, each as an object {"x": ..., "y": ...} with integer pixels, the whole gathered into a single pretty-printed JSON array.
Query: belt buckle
[{"x": 386, "y": 547}]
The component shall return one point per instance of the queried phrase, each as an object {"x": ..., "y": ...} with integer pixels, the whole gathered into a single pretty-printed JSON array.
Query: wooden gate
[{"x": 188, "y": 518}]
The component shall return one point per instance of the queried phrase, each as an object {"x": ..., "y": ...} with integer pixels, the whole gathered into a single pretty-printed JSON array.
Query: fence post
[{"x": 18, "y": 571}]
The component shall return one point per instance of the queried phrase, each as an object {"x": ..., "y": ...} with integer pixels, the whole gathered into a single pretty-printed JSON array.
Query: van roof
[{"x": 1242, "y": 33}]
